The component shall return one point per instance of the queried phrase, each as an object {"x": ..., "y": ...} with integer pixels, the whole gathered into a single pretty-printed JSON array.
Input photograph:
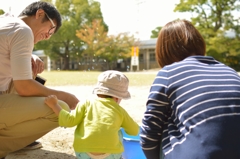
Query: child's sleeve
[
  {"x": 130, "y": 126},
  {"x": 73, "y": 118}
]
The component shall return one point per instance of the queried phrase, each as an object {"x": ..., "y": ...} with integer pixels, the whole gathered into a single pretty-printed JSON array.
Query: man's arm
[
  {"x": 37, "y": 65},
  {"x": 31, "y": 87}
]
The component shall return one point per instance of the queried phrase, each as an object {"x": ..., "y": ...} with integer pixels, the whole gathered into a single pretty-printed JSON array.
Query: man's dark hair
[{"x": 50, "y": 9}]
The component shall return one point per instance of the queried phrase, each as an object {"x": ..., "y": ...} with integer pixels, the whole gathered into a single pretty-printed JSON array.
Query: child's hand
[{"x": 51, "y": 101}]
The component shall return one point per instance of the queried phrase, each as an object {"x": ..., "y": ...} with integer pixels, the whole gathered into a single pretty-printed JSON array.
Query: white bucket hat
[{"x": 112, "y": 83}]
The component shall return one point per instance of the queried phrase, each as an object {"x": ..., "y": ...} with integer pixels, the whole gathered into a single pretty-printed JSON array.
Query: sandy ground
[{"x": 57, "y": 144}]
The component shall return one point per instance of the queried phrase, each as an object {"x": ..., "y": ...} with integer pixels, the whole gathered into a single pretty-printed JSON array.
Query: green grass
[{"x": 62, "y": 78}]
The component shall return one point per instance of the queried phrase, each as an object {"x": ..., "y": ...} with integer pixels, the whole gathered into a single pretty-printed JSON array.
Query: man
[{"x": 23, "y": 115}]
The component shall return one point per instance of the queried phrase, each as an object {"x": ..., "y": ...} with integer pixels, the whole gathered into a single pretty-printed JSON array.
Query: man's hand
[
  {"x": 69, "y": 98},
  {"x": 37, "y": 65},
  {"x": 72, "y": 101}
]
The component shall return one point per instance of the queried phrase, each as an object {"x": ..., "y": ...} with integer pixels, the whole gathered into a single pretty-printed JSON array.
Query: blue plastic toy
[{"x": 132, "y": 148}]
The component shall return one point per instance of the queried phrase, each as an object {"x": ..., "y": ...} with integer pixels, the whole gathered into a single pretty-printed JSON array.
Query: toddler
[{"x": 98, "y": 120}]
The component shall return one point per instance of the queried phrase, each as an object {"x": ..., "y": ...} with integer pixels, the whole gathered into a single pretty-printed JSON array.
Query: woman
[{"x": 193, "y": 108}]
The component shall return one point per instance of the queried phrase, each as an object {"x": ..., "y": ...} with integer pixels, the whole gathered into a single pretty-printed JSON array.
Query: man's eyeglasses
[{"x": 51, "y": 31}]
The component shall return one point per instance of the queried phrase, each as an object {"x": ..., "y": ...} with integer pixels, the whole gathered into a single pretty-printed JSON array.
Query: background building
[{"x": 146, "y": 60}]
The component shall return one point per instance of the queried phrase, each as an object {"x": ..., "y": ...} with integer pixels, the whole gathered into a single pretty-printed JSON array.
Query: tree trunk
[
  {"x": 65, "y": 63},
  {"x": 66, "y": 59}
]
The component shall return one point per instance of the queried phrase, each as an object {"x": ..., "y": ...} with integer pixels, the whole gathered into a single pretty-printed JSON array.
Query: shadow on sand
[{"x": 39, "y": 154}]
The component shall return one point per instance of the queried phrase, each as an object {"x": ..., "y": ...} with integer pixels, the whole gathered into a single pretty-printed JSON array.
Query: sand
[{"x": 57, "y": 144}]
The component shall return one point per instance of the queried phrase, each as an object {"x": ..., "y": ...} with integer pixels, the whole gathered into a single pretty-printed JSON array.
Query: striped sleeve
[{"x": 155, "y": 117}]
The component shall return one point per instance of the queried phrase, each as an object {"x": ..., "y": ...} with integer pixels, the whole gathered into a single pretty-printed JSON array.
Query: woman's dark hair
[
  {"x": 50, "y": 9},
  {"x": 176, "y": 41}
]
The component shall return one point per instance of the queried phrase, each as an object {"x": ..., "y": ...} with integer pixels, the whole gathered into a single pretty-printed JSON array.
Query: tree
[
  {"x": 215, "y": 19},
  {"x": 65, "y": 44},
  {"x": 155, "y": 32},
  {"x": 101, "y": 47},
  {"x": 94, "y": 36},
  {"x": 1, "y": 12},
  {"x": 118, "y": 47}
]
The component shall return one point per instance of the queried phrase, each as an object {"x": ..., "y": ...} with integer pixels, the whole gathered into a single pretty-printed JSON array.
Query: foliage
[
  {"x": 155, "y": 32},
  {"x": 65, "y": 44},
  {"x": 216, "y": 22},
  {"x": 94, "y": 36},
  {"x": 101, "y": 47},
  {"x": 1, "y": 12},
  {"x": 118, "y": 47}
]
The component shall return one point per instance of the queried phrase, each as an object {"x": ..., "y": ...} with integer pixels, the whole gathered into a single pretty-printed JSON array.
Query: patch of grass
[
  {"x": 61, "y": 78},
  {"x": 140, "y": 78}
]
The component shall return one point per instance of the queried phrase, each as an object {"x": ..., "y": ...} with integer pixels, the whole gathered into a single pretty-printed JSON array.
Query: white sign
[{"x": 134, "y": 61}]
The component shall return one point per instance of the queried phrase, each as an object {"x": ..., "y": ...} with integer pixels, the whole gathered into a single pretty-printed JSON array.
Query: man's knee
[{"x": 64, "y": 105}]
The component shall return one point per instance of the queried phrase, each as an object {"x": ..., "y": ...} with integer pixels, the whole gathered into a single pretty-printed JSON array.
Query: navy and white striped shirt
[{"x": 193, "y": 110}]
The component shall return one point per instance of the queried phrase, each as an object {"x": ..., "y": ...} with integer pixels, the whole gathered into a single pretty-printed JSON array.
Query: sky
[{"x": 137, "y": 17}]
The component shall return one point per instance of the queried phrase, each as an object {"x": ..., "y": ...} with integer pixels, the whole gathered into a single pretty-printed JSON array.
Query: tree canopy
[
  {"x": 103, "y": 47},
  {"x": 155, "y": 32},
  {"x": 84, "y": 36},
  {"x": 1, "y": 12},
  {"x": 217, "y": 22},
  {"x": 75, "y": 14}
]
